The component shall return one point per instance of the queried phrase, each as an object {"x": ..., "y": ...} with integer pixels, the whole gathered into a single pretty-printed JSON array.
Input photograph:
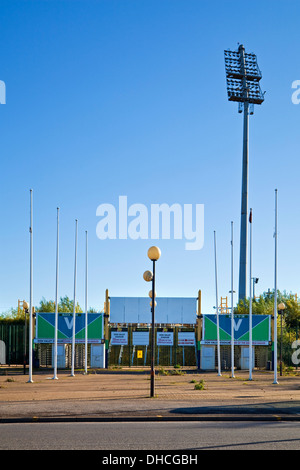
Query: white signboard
[
  {"x": 119, "y": 338},
  {"x": 140, "y": 338},
  {"x": 165, "y": 338},
  {"x": 186, "y": 338},
  {"x": 138, "y": 310}
]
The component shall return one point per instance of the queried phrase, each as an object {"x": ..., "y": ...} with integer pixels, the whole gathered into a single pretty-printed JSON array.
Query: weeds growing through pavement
[{"x": 198, "y": 385}]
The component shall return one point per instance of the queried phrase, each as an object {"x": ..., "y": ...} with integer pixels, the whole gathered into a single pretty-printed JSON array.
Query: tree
[
  {"x": 64, "y": 305},
  {"x": 292, "y": 313},
  {"x": 264, "y": 305},
  {"x": 13, "y": 314}
]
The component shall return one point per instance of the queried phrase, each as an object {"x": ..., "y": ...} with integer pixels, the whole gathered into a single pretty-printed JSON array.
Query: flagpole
[
  {"x": 86, "y": 301},
  {"x": 232, "y": 312},
  {"x": 74, "y": 304},
  {"x": 250, "y": 304},
  {"x": 217, "y": 308},
  {"x": 56, "y": 299},
  {"x": 275, "y": 296},
  {"x": 30, "y": 291}
]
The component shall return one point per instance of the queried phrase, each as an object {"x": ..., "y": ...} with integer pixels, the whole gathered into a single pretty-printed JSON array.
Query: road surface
[{"x": 130, "y": 436}]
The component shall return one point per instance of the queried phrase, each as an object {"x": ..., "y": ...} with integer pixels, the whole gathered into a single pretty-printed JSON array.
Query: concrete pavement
[{"x": 125, "y": 395}]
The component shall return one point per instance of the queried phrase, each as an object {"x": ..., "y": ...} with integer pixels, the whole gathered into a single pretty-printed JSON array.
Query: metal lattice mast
[{"x": 243, "y": 76}]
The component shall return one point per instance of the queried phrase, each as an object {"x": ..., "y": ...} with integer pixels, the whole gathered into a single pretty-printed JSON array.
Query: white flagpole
[
  {"x": 250, "y": 304},
  {"x": 86, "y": 301},
  {"x": 56, "y": 299},
  {"x": 217, "y": 308},
  {"x": 275, "y": 296},
  {"x": 74, "y": 306},
  {"x": 232, "y": 313},
  {"x": 31, "y": 292}
]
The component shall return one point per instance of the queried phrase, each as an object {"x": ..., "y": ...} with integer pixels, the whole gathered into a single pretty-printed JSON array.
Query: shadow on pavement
[{"x": 266, "y": 408}]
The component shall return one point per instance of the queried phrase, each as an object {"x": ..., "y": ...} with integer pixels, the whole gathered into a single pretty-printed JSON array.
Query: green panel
[
  {"x": 45, "y": 330},
  {"x": 210, "y": 330},
  {"x": 261, "y": 331},
  {"x": 46, "y": 327},
  {"x": 95, "y": 328},
  {"x": 224, "y": 336},
  {"x": 260, "y": 328},
  {"x": 245, "y": 337}
]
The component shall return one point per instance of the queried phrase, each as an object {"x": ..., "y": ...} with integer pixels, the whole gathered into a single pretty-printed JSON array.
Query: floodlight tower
[{"x": 243, "y": 76}]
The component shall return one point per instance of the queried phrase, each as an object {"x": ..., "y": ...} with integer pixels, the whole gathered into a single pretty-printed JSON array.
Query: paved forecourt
[{"x": 125, "y": 394}]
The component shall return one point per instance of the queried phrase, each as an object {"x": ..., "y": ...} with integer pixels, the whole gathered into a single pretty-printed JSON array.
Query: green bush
[{"x": 199, "y": 385}]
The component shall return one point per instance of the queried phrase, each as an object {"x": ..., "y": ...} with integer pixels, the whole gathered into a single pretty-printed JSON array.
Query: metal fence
[
  {"x": 13, "y": 350},
  {"x": 12, "y": 335},
  {"x": 131, "y": 354},
  {"x": 261, "y": 357}
]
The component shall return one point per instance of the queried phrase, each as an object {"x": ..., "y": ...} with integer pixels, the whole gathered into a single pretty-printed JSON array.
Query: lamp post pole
[
  {"x": 243, "y": 76},
  {"x": 153, "y": 334},
  {"x": 244, "y": 202},
  {"x": 275, "y": 295},
  {"x": 30, "y": 380},
  {"x": 74, "y": 305},
  {"x": 232, "y": 310},
  {"x": 86, "y": 303},
  {"x": 217, "y": 309},
  {"x": 153, "y": 254},
  {"x": 281, "y": 343},
  {"x": 56, "y": 298}
]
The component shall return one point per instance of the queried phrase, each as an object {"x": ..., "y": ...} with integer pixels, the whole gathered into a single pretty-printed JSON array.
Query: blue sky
[{"x": 122, "y": 97}]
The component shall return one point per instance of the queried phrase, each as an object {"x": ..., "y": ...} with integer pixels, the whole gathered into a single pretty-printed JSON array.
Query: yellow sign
[{"x": 140, "y": 354}]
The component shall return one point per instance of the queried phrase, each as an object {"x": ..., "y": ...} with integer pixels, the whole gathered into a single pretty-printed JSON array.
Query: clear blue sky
[{"x": 128, "y": 97}]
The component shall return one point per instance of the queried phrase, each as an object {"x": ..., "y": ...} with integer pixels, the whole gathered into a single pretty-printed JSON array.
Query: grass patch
[
  {"x": 199, "y": 385},
  {"x": 162, "y": 371},
  {"x": 177, "y": 372}
]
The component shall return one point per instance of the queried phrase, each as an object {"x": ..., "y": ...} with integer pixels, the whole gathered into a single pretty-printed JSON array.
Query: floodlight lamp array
[
  {"x": 236, "y": 91},
  {"x": 236, "y": 69},
  {"x": 243, "y": 76}
]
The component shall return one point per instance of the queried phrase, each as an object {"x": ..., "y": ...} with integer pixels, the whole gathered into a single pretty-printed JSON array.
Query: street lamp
[
  {"x": 153, "y": 254},
  {"x": 255, "y": 281},
  {"x": 281, "y": 308}
]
